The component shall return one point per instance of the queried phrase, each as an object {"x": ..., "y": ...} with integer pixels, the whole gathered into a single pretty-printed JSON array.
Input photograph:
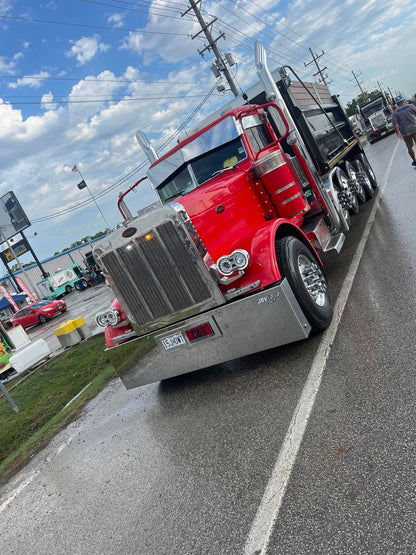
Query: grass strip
[{"x": 43, "y": 401}]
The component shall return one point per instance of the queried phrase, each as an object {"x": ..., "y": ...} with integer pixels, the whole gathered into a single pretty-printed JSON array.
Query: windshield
[
  {"x": 372, "y": 109},
  {"x": 39, "y": 304},
  {"x": 201, "y": 169}
]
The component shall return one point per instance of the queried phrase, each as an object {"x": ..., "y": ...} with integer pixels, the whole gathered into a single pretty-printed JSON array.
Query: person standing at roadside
[{"x": 404, "y": 121}]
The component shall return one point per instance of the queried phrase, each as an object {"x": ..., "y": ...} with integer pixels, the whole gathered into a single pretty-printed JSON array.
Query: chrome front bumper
[{"x": 252, "y": 324}]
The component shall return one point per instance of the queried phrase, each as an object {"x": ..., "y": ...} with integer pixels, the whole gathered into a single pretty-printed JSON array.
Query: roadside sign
[{"x": 18, "y": 249}]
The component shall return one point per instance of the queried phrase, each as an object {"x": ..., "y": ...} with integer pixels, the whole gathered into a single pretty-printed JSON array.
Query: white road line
[
  {"x": 18, "y": 490},
  {"x": 267, "y": 513}
]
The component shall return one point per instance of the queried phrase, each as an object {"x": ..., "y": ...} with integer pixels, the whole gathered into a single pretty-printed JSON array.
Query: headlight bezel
[
  {"x": 238, "y": 260},
  {"x": 109, "y": 317}
]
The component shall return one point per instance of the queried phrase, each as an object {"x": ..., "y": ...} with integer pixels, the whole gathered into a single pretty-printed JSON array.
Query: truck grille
[
  {"x": 156, "y": 274},
  {"x": 378, "y": 120}
]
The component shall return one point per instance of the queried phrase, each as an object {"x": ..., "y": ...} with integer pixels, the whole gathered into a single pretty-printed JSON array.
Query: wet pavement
[{"x": 181, "y": 467}]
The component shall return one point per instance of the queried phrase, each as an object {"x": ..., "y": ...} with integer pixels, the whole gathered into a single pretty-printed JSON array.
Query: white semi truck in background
[{"x": 377, "y": 116}]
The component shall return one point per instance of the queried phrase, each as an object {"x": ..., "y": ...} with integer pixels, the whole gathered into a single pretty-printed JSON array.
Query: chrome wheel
[
  {"x": 349, "y": 199},
  {"x": 356, "y": 183},
  {"x": 313, "y": 279}
]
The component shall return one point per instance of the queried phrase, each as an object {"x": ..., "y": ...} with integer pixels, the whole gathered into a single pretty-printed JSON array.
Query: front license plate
[{"x": 174, "y": 340}]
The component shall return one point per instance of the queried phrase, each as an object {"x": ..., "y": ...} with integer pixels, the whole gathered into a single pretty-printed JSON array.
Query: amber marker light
[{"x": 149, "y": 236}]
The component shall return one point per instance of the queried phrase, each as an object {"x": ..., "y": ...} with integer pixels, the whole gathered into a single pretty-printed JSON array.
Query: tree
[{"x": 364, "y": 97}]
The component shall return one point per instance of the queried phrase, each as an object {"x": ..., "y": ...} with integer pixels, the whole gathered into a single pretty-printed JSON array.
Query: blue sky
[{"x": 78, "y": 78}]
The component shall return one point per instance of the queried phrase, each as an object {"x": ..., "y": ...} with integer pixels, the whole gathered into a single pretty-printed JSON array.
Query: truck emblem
[{"x": 129, "y": 232}]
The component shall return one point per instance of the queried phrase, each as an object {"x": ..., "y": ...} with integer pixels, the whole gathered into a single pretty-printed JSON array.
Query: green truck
[{"x": 62, "y": 282}]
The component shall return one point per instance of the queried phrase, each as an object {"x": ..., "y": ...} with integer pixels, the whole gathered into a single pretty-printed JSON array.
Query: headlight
[
  {"x": 109, "y": 317},
  {"x": 237, "y": 260}
]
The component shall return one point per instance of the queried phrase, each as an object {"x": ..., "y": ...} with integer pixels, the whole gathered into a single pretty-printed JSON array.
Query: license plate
[{"x": 174, "y": 340}]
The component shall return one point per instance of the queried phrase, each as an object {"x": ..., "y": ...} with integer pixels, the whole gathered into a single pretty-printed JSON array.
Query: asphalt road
[{"x": 205, "y": 463}]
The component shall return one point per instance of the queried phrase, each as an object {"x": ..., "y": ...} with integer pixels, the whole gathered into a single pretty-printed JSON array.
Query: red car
[{"x": 38, "y": 313}]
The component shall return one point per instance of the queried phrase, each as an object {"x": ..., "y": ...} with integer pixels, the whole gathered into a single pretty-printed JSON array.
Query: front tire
[
  {"x": 307, "y": 279},
  {"x": 42, "y": 319},
  {"x": 68, "y": 289}
]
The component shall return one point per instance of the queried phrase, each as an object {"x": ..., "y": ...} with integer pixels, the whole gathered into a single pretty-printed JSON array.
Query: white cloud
[
  {"x": 86, "y": 48},
  {"x": 34, "y": 81},
  {"x": 7, "y": 66},
  {"x": 116, "y": 19},
  {"x": 46, "y": 99}
]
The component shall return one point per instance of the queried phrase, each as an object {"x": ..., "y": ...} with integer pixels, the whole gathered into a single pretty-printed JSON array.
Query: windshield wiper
[{"x": 218, "y": 172}]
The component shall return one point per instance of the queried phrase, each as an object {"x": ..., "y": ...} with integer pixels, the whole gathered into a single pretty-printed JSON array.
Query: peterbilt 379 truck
[
  {"x": 231, "y": 262},
  {"x": 377, "y": 116}
]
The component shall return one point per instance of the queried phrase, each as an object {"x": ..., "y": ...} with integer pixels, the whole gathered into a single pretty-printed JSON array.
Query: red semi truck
[{"x": 230, "y": 263}]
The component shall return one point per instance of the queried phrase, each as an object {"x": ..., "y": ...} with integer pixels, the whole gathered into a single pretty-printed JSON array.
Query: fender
[{"x": 260, "y": 244}]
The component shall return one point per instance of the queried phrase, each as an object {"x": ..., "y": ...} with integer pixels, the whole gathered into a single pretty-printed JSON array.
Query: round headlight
[
  {"x": 225, "y": 266},
  {"x": 241, "y": 259},
  {"x": 109, "y": 317}
]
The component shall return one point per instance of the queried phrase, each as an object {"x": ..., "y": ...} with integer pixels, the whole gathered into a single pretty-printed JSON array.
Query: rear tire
[
  {"x": 369, "y": 170},
  {"x": 42, "y": 319},
  {"x": 364, "y": 178},
  {"x": 352, "y": 175},
  {"x": 307, "y": 279},
  {"x": 68, "y": 289},
  {"x": 342, "y": 184}
]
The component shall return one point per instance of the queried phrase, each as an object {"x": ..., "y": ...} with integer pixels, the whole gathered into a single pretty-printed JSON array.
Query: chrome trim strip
[
  {"x": 283, "y": 188},
  {"x": 289, "y": 200}
]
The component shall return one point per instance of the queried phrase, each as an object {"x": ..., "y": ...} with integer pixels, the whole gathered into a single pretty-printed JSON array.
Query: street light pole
[{"x": 92, "y": 196}]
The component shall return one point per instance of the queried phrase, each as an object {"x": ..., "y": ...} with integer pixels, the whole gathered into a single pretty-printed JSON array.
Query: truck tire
[
  {"x": 68, "y": 289},
  {"x": 364, "y": 179},
  {"x": 369, "y": 170},
  {"x": 352, "y": 175},
  {"x": 299, "y": 265}
]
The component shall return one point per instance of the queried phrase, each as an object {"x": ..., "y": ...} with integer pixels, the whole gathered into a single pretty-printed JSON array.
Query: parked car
[{"x": 38, "y": 313}]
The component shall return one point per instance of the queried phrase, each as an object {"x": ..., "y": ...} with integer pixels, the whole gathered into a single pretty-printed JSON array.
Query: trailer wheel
[
  {"x": 352, "y": 175},
  {"x": 307, "y": 279},
  {"x": 343, "y": 184},
  {"x": 364, "y": 179},
  {"x": 369, "y": 170}
]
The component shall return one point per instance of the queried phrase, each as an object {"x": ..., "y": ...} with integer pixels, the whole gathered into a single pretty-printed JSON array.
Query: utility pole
[
  {"x": 381, "y": 89},
  {"x": 358, "y": 82},
  {"x": 221, "y": 65},
  {"x": 320, "y": 72}
]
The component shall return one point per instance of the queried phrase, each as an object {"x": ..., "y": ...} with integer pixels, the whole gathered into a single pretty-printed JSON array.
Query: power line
[
  {"x": 85, "y": 26},
  {"x": 135, "y": 99},
  {"x": 78, "y": 206},
  {"x": 133, "y": 9},
  {"x": 90, "y": 80}
]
